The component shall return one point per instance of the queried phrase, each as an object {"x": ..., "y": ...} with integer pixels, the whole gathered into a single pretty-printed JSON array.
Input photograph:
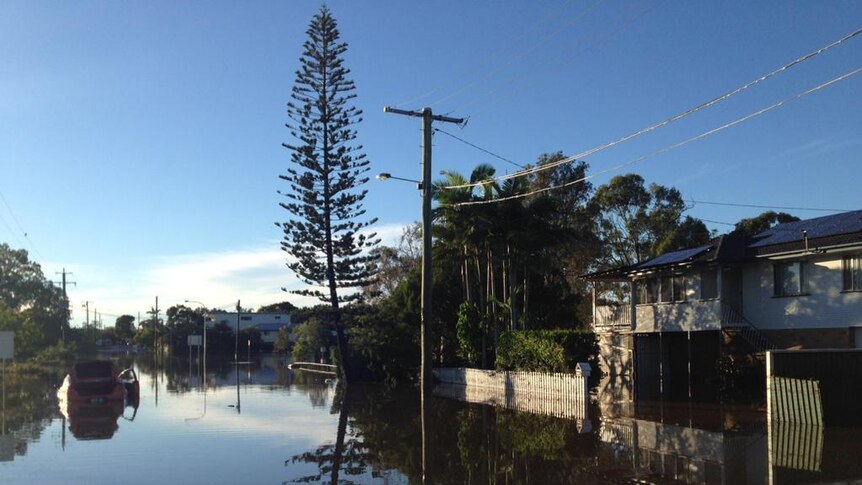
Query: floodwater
[{"x": 264, "y": 423}]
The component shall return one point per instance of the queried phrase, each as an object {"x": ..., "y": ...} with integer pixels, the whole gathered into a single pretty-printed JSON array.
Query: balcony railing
[{"x": 610, "y": 318}]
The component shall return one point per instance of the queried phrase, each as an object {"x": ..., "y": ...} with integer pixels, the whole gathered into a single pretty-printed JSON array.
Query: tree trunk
[
  {"x": 339, "y": 440},
  {"x": 526, "y": 297}
]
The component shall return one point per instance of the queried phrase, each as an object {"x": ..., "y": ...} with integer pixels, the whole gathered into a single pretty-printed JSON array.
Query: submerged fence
[
  {"x": 553, "y": 394},
  {"x": 327, "y": 369},
  {"x": 814, "y": 386}
]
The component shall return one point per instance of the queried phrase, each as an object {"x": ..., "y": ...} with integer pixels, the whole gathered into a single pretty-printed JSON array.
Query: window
[
  {"x": 652, "y": 290},
  {"x": 709, "y": 284},
  {"x": 678, "y": 288},
  {"x": 789, "y": 278},
  {"x": 853, "y": 273},
  {"x": 665, "y": 289},
  {"x": 245, "y": 318}
]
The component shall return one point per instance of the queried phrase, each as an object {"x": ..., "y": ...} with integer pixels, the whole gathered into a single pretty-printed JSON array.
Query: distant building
[{"x": 268, "y": 324}]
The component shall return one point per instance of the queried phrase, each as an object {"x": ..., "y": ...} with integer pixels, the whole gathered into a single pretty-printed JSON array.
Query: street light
[{"x": 386, "y": 176}]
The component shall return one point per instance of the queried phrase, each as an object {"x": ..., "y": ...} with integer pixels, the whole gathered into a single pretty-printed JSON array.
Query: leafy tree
[
  {"x": 124, "y": 327},
  {"x": 637, "y": 223},
  {"x": 511, "y": 247},
  {"x": 182, "y": 322},
  {"x": 469, "y": 329},
  {"x": 755, "y": 225},
  {"x": 311, "y": 336},
  {"x": 324, "y": 234},
  {"x": 395, "y": 263},
  {"x": 32, "y": 306},
  {"x": 283, "y": 344},
  {"x": 281, "y": 307},
  {"x": 28, "y": 336}
]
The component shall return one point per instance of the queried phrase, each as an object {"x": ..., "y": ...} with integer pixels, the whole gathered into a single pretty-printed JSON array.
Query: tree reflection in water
[
  {"x": 379, "y": 431},
  {"x": 29, "y": 406}
]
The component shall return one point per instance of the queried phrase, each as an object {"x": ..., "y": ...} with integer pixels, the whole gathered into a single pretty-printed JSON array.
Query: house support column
[
  {"x": 689, "y": 364},
  {"x": 660, "y": 365},
  {"x": 721, "y": 372}
]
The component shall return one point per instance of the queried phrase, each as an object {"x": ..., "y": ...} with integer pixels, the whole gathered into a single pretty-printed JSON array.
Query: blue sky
[{"x": 140, "y": 142}]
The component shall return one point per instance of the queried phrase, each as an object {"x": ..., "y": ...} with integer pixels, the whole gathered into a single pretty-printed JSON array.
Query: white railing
[{"x": 613, "y": 317}]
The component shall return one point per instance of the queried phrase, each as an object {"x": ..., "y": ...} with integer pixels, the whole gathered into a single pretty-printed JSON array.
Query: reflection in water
[{"x": 303, "y": 430}]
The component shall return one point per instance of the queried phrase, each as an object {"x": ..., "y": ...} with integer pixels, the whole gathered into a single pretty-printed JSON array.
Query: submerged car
[{"x": 92, "y": 381}]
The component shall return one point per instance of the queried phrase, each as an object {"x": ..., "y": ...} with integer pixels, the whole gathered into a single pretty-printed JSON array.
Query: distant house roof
[{"x": 810, "y": 234}]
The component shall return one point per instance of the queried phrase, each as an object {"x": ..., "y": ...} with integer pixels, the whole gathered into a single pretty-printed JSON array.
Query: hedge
[{"x": 546, "y": 350}]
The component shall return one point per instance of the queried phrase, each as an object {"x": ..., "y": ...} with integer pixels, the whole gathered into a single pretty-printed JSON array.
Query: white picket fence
[{"x": 554, "y": 394}]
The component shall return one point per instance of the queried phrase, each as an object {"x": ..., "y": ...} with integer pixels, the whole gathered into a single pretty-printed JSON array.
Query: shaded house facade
[{"x": 796, "y": 285}]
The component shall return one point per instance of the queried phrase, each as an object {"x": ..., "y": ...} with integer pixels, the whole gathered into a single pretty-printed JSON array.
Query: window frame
[
  {"x": 778, "y": 283},
  {"x": 651, "y": 290},
  {"x": 851, "y": 273}
]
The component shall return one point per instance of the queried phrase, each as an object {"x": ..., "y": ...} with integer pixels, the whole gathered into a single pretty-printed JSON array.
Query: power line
[
  {"x": 662, "y": 150},
  {"x": 438, "y": 130},
  {"x": 496, "y": 53},
  {"x": 667, "y": 121},
  {"x": 718, "y": 222},
  {"x": 11, "y": 231},
  {"x": 597, "y": 42},
  {"x": 517, "y": 58},
  {"x": 731, "y": 204},
  {"x": 17, "y": 223}
]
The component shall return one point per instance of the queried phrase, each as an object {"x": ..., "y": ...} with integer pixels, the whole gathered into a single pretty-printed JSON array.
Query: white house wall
[
  {"x": 826, "y": 306},
  {"x": 691, "y": 315},
  {"x": 679, "y": 317},
  {"x": 252, "y": 320}
]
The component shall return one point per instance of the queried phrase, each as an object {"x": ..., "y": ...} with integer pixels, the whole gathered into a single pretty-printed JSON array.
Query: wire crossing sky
[
  {"x": 667, "y": 121},
  {"x": 655, "y": 153},
  {"x": 141, "y": 142}
]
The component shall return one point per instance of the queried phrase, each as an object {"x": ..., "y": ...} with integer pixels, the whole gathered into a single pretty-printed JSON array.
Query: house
[
  {"x": 268, "y": 324},
  {"x": 796, "y": 285}
]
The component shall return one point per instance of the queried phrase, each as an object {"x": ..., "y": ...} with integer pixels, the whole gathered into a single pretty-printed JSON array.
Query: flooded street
[{"x": 264, "y": 423}]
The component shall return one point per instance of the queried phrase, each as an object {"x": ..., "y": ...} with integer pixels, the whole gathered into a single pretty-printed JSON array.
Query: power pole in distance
[{"x": 66, "y": 303}]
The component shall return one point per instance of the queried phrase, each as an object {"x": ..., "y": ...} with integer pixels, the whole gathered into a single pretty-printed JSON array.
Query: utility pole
[
  {"x": 87, "y": 306},
  {"x": 425, "y": 336},
  {"x": 425, "y": 331},
  {"x": 66, "y": 305},
  {"x": 236, "y": 339},
  {"x": 156, "y": 327}
]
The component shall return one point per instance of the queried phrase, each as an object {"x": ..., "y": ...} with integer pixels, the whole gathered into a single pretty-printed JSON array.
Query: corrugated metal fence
[{"x": 814, "y": 386}]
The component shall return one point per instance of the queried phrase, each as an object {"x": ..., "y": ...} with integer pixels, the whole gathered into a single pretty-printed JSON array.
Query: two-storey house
[{"x": 796, "y": 285}]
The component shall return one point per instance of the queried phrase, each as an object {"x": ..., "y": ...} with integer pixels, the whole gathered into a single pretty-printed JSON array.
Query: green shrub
[
  {"x": 546, "y": 350},
  {"x": 469, "y": 333}
]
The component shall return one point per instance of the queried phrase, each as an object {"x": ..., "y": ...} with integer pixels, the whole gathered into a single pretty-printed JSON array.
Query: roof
[
  {"x": 675, "y": 257},
  {"x": 808, "y": 235},
  {"x": 819, "y": 227}
]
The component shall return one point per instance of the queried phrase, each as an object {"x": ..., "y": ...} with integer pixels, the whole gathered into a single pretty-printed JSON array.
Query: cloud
[{"x": 255, "y": 276}]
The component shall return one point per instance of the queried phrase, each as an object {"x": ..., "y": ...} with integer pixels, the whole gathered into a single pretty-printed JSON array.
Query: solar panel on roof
[
  {"x": 675, "y": 257},
  {"x": 843, "y": 223}
]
